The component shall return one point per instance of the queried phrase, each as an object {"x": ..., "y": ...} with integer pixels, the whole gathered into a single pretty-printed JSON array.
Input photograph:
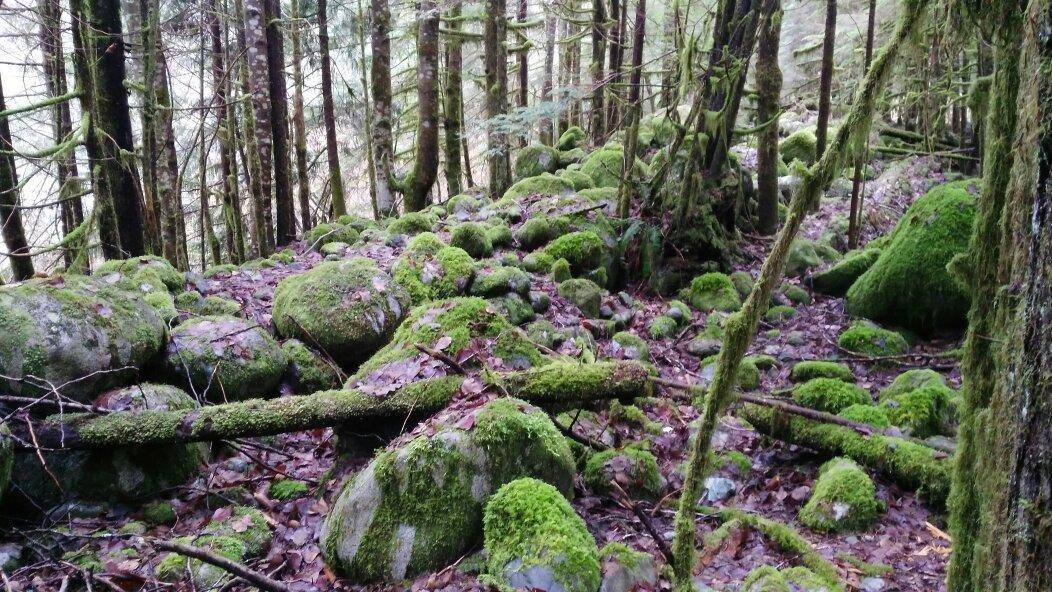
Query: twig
[
  {"x": 445, "y": 359},
  {"x": 569, "y": 433},
  {"x": 648, "y": 525},
  {"x": 40, "y": 456},
  {"x": 255, "y": 578}
]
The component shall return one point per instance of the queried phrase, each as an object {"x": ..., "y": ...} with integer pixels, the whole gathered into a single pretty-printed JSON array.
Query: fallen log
[
  {"x": 558, "y": 383},
  {"x": 913, "y": 466}
]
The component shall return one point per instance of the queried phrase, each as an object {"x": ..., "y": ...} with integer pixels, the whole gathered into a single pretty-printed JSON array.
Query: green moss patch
[
  {"x": 713, "y": 291},
  {"x": 308, "y": 371},
  {"x": 808, "y": 369},
  {"x": 471, "y": 237},
  {"x": 585, "y": 294},
  {"x": 633, "y": 468},
  {"x": 582, "y": 250},
  {"x": 836, "y": 280},
  {"x": 829, "y": 394},
  {"x": 843, "y": 498},
  {"x": 536, "y": 159},
  {"x": 869, "y": 339}
]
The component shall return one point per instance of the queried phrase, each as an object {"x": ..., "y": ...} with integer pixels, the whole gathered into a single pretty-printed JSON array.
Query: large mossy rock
[
  {"x": 121, "y": 474},
  {"x": 430, "y": 270},
  {"x": 145, "y": 266},
  {"x": 535, "y": 541},
  {"x": 843, "y": 498},
  {"x": 839, "y": 278},
  {"x": 536, "y": 159},
  {"x": 713, "y": 291},
  {"x": 349, "y": 309},
  {"x": 308, "y": 370},
  {"x": 909, "y": 285},
  {"x": 419, "y": 506},
  {"x": 543, "y": 184},
  {"x": 800, "y": 145},
  {"x": 604, "y": 167},
  {"x": 224, "y": 358},
  {"x": 84, "y": 335},
  {"x": 583, "y": 250},
  {"x": 792, "y": 579}
]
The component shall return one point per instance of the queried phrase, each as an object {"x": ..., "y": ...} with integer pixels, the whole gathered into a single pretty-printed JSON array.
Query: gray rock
[
  {"x": 704, "y": 348},
  {"x": 718, "y": 489}
]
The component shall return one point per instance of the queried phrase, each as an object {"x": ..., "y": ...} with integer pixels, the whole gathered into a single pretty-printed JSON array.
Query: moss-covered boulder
[
  {"x": 328, "y": 233},
  {"x": 836, "y": 280},
  {"x": 308, "y": 371},
  {"x": 866, "y": 338},
  {"x": 799, "y": 145},
  {"x": 843, "y": 498},
  {"x": 713, "y": 291},
  {"x": 808, "y": 369},
  {"x": 145, "y": 266},
  {"x": 429, "y": 270},
  {"x": 572, "y": 138},
  {"x": 604, "y": 167},
  {"x": 869, "y": 414},
  {"x": 241, "y": 535},
  {"x": 909, "y": 285},
  {"x": 84, "y": 335},
  {"x": 543, "y": 184},
  {"x": 536, "y": 159},
  {"x": 912, "y": 380},
  {"x": 471, "y": 236},
  {"x": 349, "y": 309},
  {"x": 802, "y": 258},
  {"x": 748, "y": 372},
  {"x": 578, "y": 179},
  {"x": 121, "y": 474},
  {"x": 419, "y": 506},
  {"x": 631, "y": 346},
  {"x": 585, "y": 294},
  {"x": 412, "y": 223},
  {"x": 498, "y": 281},
  {"x": 779, "y": 314},
  {"x": 224, "y": 358},
  {"x": 534, "y": 540},
  {"x": 217, "y": 305},
  {"x": 791, "y": 579},
  {"x": 830, "y": 394},
  {"x": 535, "y": 232},
  {"x": 583, "y": 250},
  {"x": 662, "y": 327},
  {"x": 633, "y": 468},
  {"x": 499, "y": 235},
  {"x": 922, "y": 412}
]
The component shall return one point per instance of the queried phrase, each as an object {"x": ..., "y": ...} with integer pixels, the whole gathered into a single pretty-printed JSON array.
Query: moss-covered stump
[
  {"x": 573, "y": 137},
  {"x": 543, "y": 184},
  {"x": 869, "y": 339},
  {"x": 308, "y": 371},
  {"x": 145, "y": 266},
  {"x": 712, "y": 291},
  {"x": 534, "y": 540},
  {"x": 808, "y": 369},
  {"x": 348, "y": 309},
  {"x": 121, "y": 474},
  {"x": 909, "y": 285},
  {"x": 836, "y": 280},
  {"x": 419, "y": 506},
  {"x": 583, "y": 250},
  {"x": 536, "y": 159},
  {"x": 800, "y": 145},
  {"x": 792, "y": 579},
  {"x": 633, "y": 468},
  {"x": 471, "y": 236},
  {"x": 830, "y": 394},
  {"x": 913, "y": 466},
  {"x": 604, "y": 167},
  {"x": 430, "y": 270},
  {"x": 224, "y": 359},
  {"x": 83, "y": 335},
  {"x": 843, "y": 498},
  {"x": 584, "y": 294}
]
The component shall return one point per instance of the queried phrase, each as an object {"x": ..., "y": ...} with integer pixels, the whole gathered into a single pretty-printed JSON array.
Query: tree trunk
[
  {"x": 339, "y": 201},
  {"x": 826, "y": 78},
  {"x": 250, "y": 156},
  {"x": 553, "y": 384},
  {"x": 263, "y": 137},
  {"x": 10, "y": 214},
  {"x": 670, "y": 65},
  {"x": 768, "y": 102},
  {"x": 204, "y": 191},
  {"x": 627, "y": 186},
  {"x": 363, "y": 68},
  {"x": 299, "y": 123},
  {"x": 523, "y": 56},
  {"x": 618, "y": 9},
  {"x": 854, "y": 217},
  {"x": 284, "y": 205},
  {"x": 425, "y": 163},
  {"x": 383, "y": 143},
  {"x": 496, "y": 60},
  {"x": 141, "y": 67},
  {"x": 598, "y": 56},
  {"x": 547, "y": 135},
  {"x": 225, "y": 124},
  {"x": 454, "y": 98}
]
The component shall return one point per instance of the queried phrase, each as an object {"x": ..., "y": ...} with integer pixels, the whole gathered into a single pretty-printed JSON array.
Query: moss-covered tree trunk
[
  {"x": 10, "y": 213},
  {"x": 854, "y": 216},
  {"x": 626, "y": 188},
  {"x": 768, "y": 102},
  {"x": 425, "y": 162},
  {"x": 670, "y": 64},
  {"x": 141, "y": 66},
  {"x": 299, "y": 122},
  {"x": 618, "y": 9},
  {"x": 454, "y": 98},
  {"x": 825, "y": 84},
  {"x": 1001, "y": 504},
  {"x": 262, "y": 147},
  {"x": 332, "y": 155},
  {"x": 741, "y": 327},
  {"x": 284, "y": 206},
  {"x": 547, "y": 135},
  {"x": 496, "y": 61},
  {"x": 384, "y": 205},
  {"x": 598, "y": 128}
]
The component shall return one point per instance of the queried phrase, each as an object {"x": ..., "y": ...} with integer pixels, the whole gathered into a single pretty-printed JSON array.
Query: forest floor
[{"x": 908, "y": 537}]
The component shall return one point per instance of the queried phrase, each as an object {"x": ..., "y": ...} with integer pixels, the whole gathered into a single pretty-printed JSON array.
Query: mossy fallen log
[
  {"x": 911, "y": 465},
  {"x": 554, "y": 384}
]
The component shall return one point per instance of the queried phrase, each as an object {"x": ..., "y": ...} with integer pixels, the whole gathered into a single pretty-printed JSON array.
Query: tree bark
[
  {"x": 627, "y": 187},
  {"x": 826, "y": 78},
  {"x": 383, "y": 143},
  {"x": 356, "y": 411},
  {"x": 854, "y": 217},
  {"x": 597, "y": 68},
  {"x": 547, "y": 135},
  {"x": 618, "y": 9},
  {"x": 256, "y": 64},
  {"x": 425, "y": 163},
  {"x": 225, "y": 124},
  {"x": 523, "y": 56},
  {"x": 299, "y": 123},
  {"x": 768, "y": 101},
  {"x": 339, "y": 201},
  {"x": 285, "y": 209},
  {"x": 10, "y": 214},
  {"x": 496, "y": 60},
  {"x": 454, "y": 98}
]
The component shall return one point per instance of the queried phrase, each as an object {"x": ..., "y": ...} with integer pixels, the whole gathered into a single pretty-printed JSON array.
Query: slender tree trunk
[
  {"x": 574, "y": 52},
  {"x": 627, "y": 187},
  {"x": 454, "y": 97},
  {"x": 826, "y": 80},
  {"x": 10, "y": 214},
  {"x": 564, "y": 91},
  {"x": 284, "y": 205},
  {"x": 339, "y": 201},
  {"x": 768, "y": 99},
  {"x": 363, "y": 68},
  {"x": 204, "y": 192},
  {"x": 523, "y": 56},
  {"x": 670, "y": 65},
  {"x": 226, "y": 124},
  {"x": 598, "y": 56},
  {"x": 383, "y": 143},
  {"x": 425, "y": 164},
  {"x": 167, "y": 169},
  {"x": 140, "y": 69},
  {"x": 299, "y": 123},
  {"x": 854, "y": 218},
  {"x": 547, "y": 135},
  {"x": 496, "y": 60},
  {"x": 618, "y": 9},
  {"x": 263, "y": 137}
]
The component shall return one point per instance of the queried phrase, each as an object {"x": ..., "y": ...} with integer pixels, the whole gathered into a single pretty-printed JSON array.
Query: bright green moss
[
  {"x": 163, "y": 303},
  {"x": 808, "y": 369},
  {"x": 188, "y": 301},
  {"x": 217, "y": 270},
  {"x": 171, "y": 277},
  {"x": 572, "y": 138},
  {"x": 829, "y": 394},
  {"x": 843, "y": 498},
  {"x": 743, "y": 283},
  {"x": 471, "y": 237},
  {"x": 800, "y": 145},
  {"x": 748, "y": 372},
  {"x": 577, "y": 179},
  {"x": 909, "y": 284},
  {"x": 425, "y": 243},
  {"x": 534, "y": 160},
  {"x": 796, "y": 294},
  {"x": 560, "y": 269},
  {"x": 543, "y": 184},
  {"x": 528, "y": 523},
  {"x": 217, "y": 305},
  {"x": 632, "y": 346},
  {"x": 174, "y": 567},
  {"x": 738, "y": 460},
  {"x": 247, "y": 525},
  {"x": 533, "y": 233},
  {"x": 662, "y": 327},
  {"x": 516, "y": 350},
  {"x": 604, "y": 167},
  {"x": 159, "y": 512},
  {"x": 922, "y": 412},
  {"x": 779, "y": 314},
  {"x": 869, "y": 414},
  {"x": 911, "y": 380},
  {"x": 539, "y": 262},
  {"x": 679, "y": 311},
  {"x": 582, "y": 250},
  {"x": 598, "y": 194},
  {"x": 412, "y": 223},
  {"x": 802, "y": 258},
  {"x": 514, "y": 307},
  {"x": 285, "y": 256},
  {"x": 585, "y": 294},
  {"x": 308, "y": 371},
  {"x": 444, "y": 274},
  {"x": 866, "y": 338},
  {"x": 326, "y": 233},
  {"x": 287, "y": 489},
  {"x": 836, "y": 280},
  {"x": 499, "y": 235},
  {"x": 633, "y": 468},
  {"x": 713, "y": 291},
  {"x": 500, "y": 281},
  {"x": 792, "y": 579}
]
